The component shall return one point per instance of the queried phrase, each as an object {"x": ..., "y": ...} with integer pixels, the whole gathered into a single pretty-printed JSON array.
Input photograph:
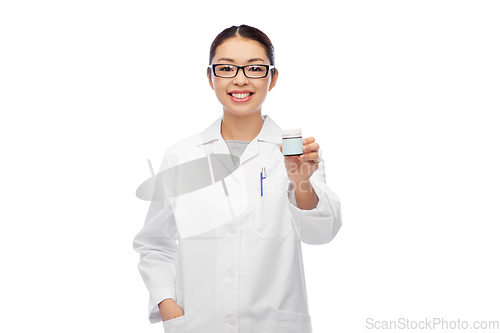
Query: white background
[{"x": 402, "y": 96}]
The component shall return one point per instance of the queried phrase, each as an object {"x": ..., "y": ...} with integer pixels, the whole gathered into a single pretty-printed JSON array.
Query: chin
[{"x": 239, "y": 112}]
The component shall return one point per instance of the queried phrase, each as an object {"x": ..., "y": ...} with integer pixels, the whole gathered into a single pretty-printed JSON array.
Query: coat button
[
  {"x": 232, "y": 230},
  {"x": 231, "y": 275},
  {"x": 231, "y": 320}
]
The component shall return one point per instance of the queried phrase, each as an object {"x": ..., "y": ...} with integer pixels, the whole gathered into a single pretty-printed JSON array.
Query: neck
[{"x": 244, "y": 128}]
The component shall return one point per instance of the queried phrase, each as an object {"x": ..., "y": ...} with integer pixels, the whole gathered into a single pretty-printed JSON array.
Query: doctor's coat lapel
[{"x": 270, "y": 132}]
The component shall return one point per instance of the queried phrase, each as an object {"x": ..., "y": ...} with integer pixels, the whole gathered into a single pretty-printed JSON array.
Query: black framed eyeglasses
[{"x": 250, "y": 71}]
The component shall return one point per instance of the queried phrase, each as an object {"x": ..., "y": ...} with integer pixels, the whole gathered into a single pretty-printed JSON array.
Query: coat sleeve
[
  {"x": 157, "y": 245},
  {"x": 320, "y": 224}
]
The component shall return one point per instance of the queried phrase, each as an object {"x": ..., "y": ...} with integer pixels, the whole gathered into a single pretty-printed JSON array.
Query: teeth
[{"x": 245, "y": 95}]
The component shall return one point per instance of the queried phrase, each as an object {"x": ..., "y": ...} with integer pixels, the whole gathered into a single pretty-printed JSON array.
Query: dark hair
[{"x": 244, "y": 31}]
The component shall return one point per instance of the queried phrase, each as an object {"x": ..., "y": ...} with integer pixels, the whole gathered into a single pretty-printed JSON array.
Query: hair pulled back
[{"x": 244, "y": 31}]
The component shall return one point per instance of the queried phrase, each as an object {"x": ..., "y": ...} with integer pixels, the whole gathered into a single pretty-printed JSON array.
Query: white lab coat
[{"x": 234, "y": 263}]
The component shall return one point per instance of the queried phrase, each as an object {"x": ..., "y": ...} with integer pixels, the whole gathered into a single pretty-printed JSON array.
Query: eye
[
  {"x": 256, "y": 68},
  {"x": 225, "y": 68}
]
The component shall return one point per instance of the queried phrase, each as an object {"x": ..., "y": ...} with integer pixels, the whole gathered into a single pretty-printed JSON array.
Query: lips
[
  {"x": 240, "y": 95},
  {"x": 237, "y": 98}
]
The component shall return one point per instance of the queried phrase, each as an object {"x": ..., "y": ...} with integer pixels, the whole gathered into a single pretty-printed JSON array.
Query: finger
[
  {"x": 308, "y": 140},
  {"x": 314, "y": 157},
  {"x": 310, "y": 147}
]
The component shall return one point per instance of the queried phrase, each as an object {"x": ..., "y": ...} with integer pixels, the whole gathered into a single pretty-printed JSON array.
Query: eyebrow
[{"x": 251, "y": 60}]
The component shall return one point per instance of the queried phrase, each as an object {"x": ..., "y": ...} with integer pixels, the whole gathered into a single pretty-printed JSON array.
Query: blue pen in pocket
[{"x": 263, "y": 171}]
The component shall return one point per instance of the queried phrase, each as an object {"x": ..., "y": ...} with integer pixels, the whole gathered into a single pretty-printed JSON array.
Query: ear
[
  {"x": 209, "y": 75},
  {"x": 274, "y": 79}
]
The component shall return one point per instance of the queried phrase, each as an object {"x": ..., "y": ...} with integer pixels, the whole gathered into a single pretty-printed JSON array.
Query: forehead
[{"x": 240, "y": 50}]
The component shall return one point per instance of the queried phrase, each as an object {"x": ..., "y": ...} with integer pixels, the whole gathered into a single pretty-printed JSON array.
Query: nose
[{"x": 240, "y": 78}]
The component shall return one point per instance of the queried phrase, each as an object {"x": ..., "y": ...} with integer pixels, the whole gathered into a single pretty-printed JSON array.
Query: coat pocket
[
  {"x": 272, "y": 217},
  {"x": 294, "y": 322},
  {"x": 174, "y": 325}
]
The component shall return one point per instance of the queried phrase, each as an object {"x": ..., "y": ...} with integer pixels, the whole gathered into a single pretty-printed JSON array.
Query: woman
[{"x": 237, "y": 266}]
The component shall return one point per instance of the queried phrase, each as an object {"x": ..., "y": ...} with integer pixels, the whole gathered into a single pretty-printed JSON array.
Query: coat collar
[{"x": 269, "y": 132}]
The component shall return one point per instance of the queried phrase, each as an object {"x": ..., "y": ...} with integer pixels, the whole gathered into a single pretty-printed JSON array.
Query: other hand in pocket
[{"x": 169, "y": 309}]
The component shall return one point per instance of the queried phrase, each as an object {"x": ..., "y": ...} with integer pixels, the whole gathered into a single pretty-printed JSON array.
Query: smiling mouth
[{"x": 241, "y": 96}]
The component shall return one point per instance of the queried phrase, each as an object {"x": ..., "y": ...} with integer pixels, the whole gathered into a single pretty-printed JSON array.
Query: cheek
[
  {"x": 263, "y": 86},
  {"x": 219, "y": 90},
  {"x": 262, "y": 89},
  {"x": 221, "y": 93},
  {"x": 219, "y": 87}
]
